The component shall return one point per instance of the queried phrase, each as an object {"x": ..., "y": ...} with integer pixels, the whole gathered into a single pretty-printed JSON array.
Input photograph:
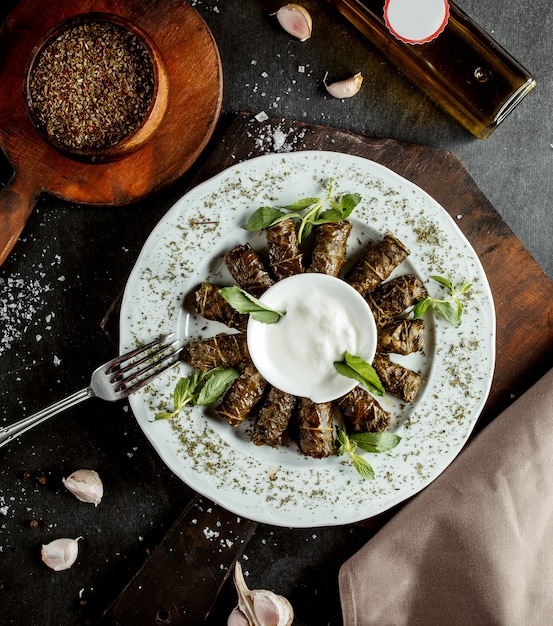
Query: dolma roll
[
  {"x": 273, "y": 418},
  {"x": 401, "y": 336},
  {"x": 218, "y": 351},
  {"x": 396, "y": 379},
  {"x": 363, "y": 412},
  {"x": 285, "y": 256},
  {"x": 244, "y": 393},
  {"x": 390, "y": 299},
  {"x": 329, "y": 250},
  {"x": 209, "y": 303},
  {"x": 248, "y": 270},
  {"x": 377, "y": 264},
  {"x": 316, "y": 428}
]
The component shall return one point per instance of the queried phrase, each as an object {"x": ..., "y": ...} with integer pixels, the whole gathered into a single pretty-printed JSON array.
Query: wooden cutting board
[{"x": 522, "y": 293}]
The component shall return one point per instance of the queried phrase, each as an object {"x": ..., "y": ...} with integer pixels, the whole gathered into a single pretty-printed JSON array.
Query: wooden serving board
[
  {"x": 184, "y": 44},
  {"x": 522, "y": 293}
]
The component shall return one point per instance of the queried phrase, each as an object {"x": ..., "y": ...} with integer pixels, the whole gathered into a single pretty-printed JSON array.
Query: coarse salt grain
[
  {"x": 20, "y": 305},
  {"x": 210, "y": 534}
]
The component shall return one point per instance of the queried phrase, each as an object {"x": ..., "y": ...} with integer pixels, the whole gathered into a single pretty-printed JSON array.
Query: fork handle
[{"x": 7, "y": 433}]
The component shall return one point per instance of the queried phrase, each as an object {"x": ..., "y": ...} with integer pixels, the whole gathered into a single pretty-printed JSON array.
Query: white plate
[{"x": 280, "y": 486}]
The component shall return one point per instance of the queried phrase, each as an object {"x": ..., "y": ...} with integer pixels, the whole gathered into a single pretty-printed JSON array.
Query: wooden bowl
[
  {"x": 153, "y": 117},
  {"x": 185, "y": 109}
]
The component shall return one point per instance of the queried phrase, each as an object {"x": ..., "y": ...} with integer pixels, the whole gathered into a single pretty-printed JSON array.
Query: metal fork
[{"x": 114, "y": 380}]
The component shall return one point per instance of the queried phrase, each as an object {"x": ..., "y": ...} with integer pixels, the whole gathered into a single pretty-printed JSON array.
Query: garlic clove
[
  {"x": 295, "y": 20},
  {"x": 60, "y": 554},
  {"x": 270, "y": 608},
  {"x": 344, "y": 88},
  {"x": 237, "y": 618},
  {"x": 85, "y": 485},
  {"x": 260, "y": 607}
]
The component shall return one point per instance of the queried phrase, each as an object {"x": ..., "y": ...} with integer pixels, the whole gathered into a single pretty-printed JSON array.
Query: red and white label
[{"x": 416, "y": 21}]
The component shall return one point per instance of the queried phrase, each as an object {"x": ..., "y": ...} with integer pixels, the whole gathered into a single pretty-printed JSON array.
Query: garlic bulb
[
  {"x": 344, "y": 88},
  {"x": 85, "y": 485},
  {"x": 60, "y": 554},
  {"x": 295, "y": 20},
  {"x": 258, "y": 607}
]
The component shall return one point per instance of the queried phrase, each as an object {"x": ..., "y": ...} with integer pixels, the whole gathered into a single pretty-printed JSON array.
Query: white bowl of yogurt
[{"x": 324, "y": 318}]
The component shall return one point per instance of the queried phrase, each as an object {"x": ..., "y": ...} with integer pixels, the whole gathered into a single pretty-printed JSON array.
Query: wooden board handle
[{"x": 17, "y": 200}]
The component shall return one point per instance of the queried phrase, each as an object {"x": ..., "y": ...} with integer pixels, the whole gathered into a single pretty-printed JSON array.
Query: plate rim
[{"x": 474, "y": 259}]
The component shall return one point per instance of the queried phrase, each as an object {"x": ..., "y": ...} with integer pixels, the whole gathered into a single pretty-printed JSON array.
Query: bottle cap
[{"x": 416, "y": 21}]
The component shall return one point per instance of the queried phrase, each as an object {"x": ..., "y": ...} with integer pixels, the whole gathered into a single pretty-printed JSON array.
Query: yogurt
[{"x": 324, "y": 318}]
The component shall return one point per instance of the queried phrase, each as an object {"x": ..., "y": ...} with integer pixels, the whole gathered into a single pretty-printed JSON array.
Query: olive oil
[{"x": 463, "y": 69}]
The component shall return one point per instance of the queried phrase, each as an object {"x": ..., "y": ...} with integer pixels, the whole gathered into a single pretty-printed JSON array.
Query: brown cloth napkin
[{"x": 476, "y": 546}]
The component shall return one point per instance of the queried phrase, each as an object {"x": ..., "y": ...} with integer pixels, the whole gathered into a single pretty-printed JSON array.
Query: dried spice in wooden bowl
[{"x": 92, "y": 85}]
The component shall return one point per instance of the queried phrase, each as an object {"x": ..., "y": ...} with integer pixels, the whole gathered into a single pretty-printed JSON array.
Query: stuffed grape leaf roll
[
  {"x": 218, "y": 351},
  {"x": 316, "y": 428},
  {"x": 377, "y": 264},
  {"x": 248, "y": 270},
  {"x": 329, "y": 250},
  {"x": 401, "y": 336},
  {"x": 242, "y": 397},
  {"x": 397, "y": 379},
  {"x": 285, "y": 256},
  {"x": 273, "y": 418},
  {"x": 363, "y": 412},
  {"x": 390, "y": 299},
  {"x": 209, "y": 303}
]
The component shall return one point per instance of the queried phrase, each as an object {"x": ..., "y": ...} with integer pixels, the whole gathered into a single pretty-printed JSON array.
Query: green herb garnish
[
  {"x": 357, "y": 368},
  {"x": 200, "y": 388},
  {"x": 308, "y": 210},
  {"x": 369, "y": 442},
  {"x": 449, "y": 308},
  {"x": 243, "y": 302}
]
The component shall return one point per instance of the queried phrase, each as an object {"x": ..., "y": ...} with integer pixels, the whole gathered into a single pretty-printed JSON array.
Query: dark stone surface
[{"x": 72, "y": 262}]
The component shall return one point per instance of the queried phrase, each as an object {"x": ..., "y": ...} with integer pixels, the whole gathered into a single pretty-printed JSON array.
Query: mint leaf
[
  {"x": 164, "y": 415},
  {"x": 264, "y": 218},
  {"x": 300, "y": 205},
  {"x": 309, "y": 212},
  {"x": 420, "y": 307},
  {"x": 216, "y": 384},
  {"x": 357, "y": 368},
  {"x": 376, "y": 442},
  {"x": 182, "y": 391},
  {"x": 450, "y": 308},
  {"x": 363, "y": 467},
  {"x": 341, "y": 442},
  {"x": 200, "y": 388},
  {"x": 344, "y": 445},
  {"x": 243, "y": 302},
  {"x": 450, "y": 311},
  {"x": 443, "y": 281}
]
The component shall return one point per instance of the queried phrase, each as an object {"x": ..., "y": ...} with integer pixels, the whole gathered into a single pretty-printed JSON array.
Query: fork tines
[{"x": 137, "y": 368}]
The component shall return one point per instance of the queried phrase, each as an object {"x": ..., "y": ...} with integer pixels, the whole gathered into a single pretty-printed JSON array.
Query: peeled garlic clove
[
  {"x": 345, "y": 88},
  {"x": 295, "y": 20},
  {"x": 60, "y": 554},
  {"x": 85, "y": 485},
  {"x": 260, "y": 607}
]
